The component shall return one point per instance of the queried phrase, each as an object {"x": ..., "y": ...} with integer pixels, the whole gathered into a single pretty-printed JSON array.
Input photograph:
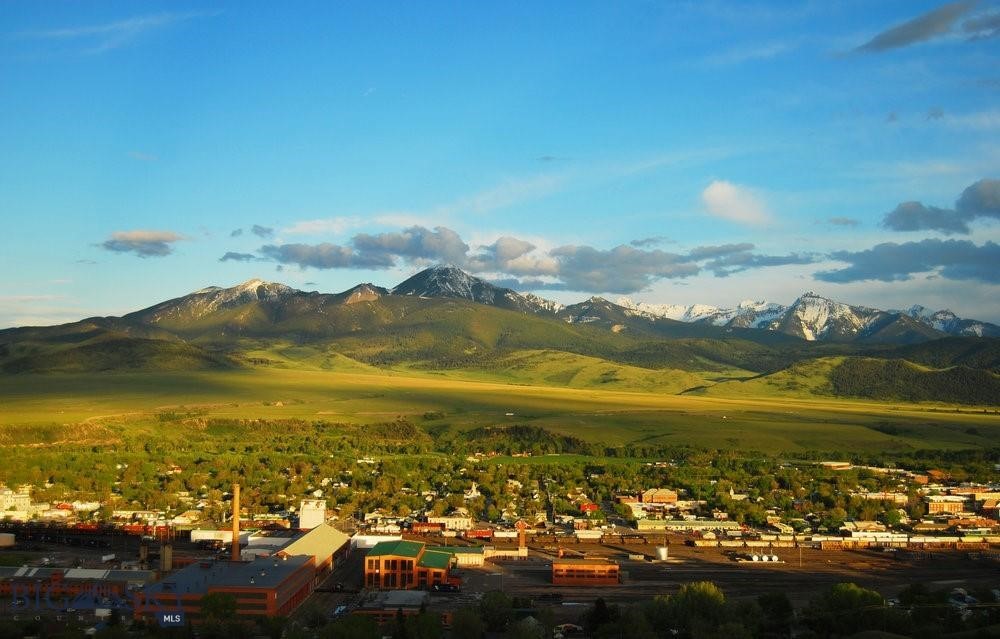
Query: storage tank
[
  {"x": 774, "y": 557},
  {"x": 7, "y": 540},
  {"x": 755, "y": 557},
  {"x": 662, "y": 553}
]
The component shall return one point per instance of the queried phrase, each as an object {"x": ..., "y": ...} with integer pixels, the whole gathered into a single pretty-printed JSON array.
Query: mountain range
[
  {"x": 811, "y": 317},
  {"x": 443, "y": 318}
]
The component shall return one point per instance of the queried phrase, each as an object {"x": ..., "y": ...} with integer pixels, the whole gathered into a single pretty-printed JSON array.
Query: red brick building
[{"x": 585, "y": 572}]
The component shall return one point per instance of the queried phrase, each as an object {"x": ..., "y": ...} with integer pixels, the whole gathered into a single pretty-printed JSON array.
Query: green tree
[
  {"x": 496, "y": 609},
  {"x": 466, "y": 624}
]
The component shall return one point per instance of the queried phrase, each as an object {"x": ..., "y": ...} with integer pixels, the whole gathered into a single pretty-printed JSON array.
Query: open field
[{"x": 40, "y": 409}]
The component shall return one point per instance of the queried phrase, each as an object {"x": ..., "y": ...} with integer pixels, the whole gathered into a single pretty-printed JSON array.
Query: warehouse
[{"x": 264, "y": 586}]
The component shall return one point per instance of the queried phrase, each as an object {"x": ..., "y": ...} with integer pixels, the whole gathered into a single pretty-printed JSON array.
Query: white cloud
[
  {"x": 324, "y": 226},
  {"x": 734, "y": 203}
]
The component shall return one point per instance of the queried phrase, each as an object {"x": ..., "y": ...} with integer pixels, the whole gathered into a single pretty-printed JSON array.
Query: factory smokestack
[{"x": 236, "y": 522}]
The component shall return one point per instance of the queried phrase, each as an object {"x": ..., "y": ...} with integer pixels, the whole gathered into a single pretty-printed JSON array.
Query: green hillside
[
  {"x": 569, "y": 370},
  {"x": 899, "y": 379},
  {"x": 116, "y": 354},
  {"x": 869, "y": 378}
]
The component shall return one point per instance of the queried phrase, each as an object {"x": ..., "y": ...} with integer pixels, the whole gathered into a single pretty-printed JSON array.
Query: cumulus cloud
[
  {"x": 236, "y": 233},
  {"x": 744, "y": 261},
  {"x": 415, "y": 243},
  {"x": 142, "y": 243},
  {"x": 520, "y": 264},
  {"x": 915, "y": 216},
  {"x": 734, "y": 203},
  {"x": 325, "y": 256},
  {"x": 623, "y": 269},
  {"x": 891, "y": 262},
  {"x": 979, "y": 200},
  {"x": 709, "y": 252},
  {"x": 238, "y": 257},
  {"x": 649, "y": 241},
  {"x": 262, "y": 231},
  {"x": 928, "y": 26}
]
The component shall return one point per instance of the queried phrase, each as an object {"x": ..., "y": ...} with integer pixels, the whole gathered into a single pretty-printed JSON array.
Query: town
[{"x": 546, "y": 535}]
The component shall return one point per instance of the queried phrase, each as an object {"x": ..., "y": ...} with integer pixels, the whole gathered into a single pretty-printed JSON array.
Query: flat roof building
[
  {"x": 585, "y": 572},
  {"x": 263, "y": 587},
  {"x": 266, "y": 586}
]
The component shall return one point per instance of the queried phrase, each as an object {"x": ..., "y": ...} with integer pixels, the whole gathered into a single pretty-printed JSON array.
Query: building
[
  {"x": 659, "y": 496},
  {"x": 325, "y": 543},
  {"x": 265, "y": 586},
  {"x": 312, "y": 513},
  {"x": 945, "y": 504},
  {"x": 404, "y": 565},
  {"x": 452, "y": 522},
  {"x": 54, "y": 584},
  {"x": 585, "y": 572},
  {"x": 466, "y": 555}
]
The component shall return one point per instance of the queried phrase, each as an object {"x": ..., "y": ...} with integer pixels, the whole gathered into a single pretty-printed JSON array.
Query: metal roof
[
  {"x": 435, "y": 559},
  {"x": 397, "y": 548},
  {"x": 320, "y": 542}
]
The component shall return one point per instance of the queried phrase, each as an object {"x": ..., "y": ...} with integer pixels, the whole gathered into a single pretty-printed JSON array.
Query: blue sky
[{"x": 670, "y": 151}]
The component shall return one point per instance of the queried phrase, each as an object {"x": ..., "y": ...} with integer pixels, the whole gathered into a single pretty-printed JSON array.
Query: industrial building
[
  {"x": 312, "y": 513},
  {"x": 403, "y": 565},
  {"x": 585, "y": 572},
  {"x": 265, "y": 586},
  {"x": 33, "y": 583},
  {"x": 262, "y": 587}
]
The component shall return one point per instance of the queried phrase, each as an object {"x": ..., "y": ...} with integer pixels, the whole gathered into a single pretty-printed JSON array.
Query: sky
[{"x": 673, "y": 152}]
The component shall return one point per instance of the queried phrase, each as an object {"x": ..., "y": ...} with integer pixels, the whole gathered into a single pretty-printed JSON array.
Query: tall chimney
[{"x": 236, "y": 522}]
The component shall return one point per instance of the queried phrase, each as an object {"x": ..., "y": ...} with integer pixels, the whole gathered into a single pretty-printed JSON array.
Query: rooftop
[
  {"x": 435, "y": 559},
  {"x": 397, "y": 548},
  {"x": 596, "y": 561},
  {"x": 320, "y": 542},
  {"x": 198, "y": 578},
  {"x": 457, "y": 550}
]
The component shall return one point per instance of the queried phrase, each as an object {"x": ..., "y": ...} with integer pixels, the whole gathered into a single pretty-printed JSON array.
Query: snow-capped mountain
[
  {"x": 947, "y": 322},
  {"x": 813, "y": 318},
  {"x": 214, "y": 298},
  {"x": 451, "y": 281},
  {"x": 747, "y": 314},
  {"x": 816, "y": 318},
  {"x": 363, "y": 293}
]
